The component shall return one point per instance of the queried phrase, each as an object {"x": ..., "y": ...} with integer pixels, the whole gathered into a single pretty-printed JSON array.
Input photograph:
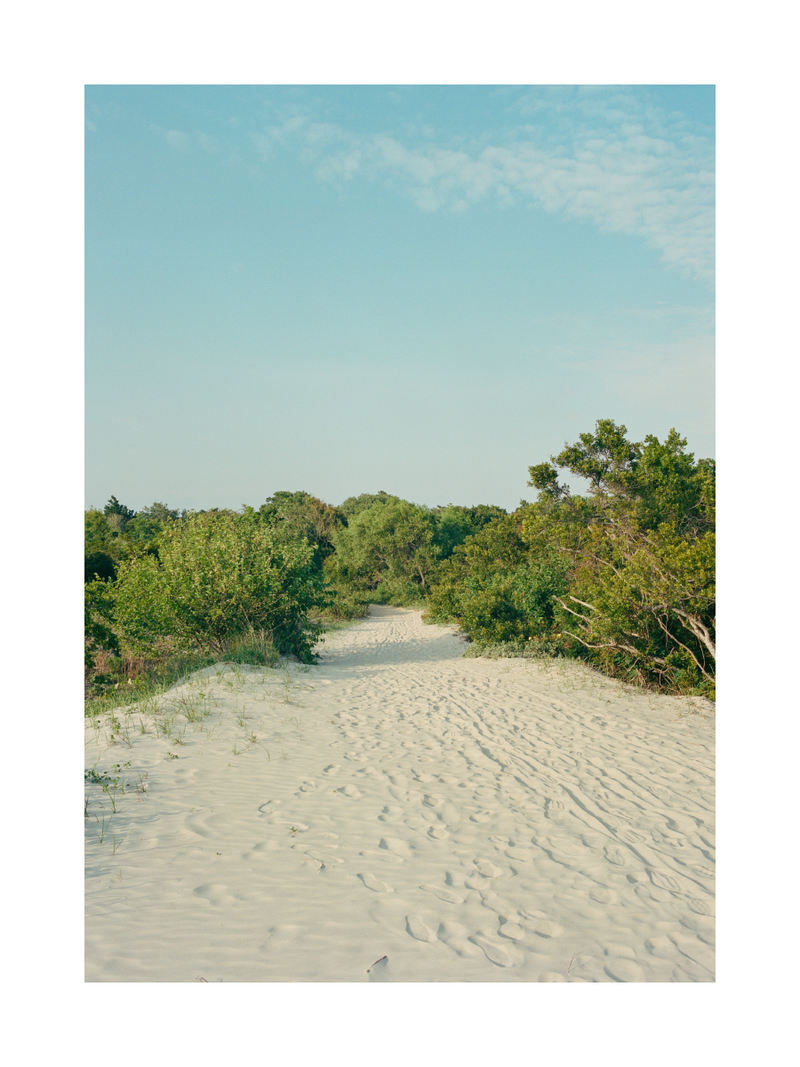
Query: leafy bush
[
  {"x": 219, "y": 576},
  {"x": 99, "y": 633},
  {"x": 494, "y": 587}
]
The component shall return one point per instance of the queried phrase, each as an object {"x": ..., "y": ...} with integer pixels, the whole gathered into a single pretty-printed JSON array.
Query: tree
[
  {"x": 143, "y": 529},
  {"x": 390, "y": 545},
  {"x": 117, "y": 515},
  {"x": 640, "y": 546},
  {"x": 354, "y": 504},
  {"x": 300, "y": 515}
]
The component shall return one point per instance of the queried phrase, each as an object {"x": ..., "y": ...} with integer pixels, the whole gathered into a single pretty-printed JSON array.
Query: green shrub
[{"x": 217, "y": 577}]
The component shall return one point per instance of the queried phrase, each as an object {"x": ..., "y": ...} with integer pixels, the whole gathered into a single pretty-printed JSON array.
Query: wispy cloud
[
  {"x": 185, "y": 142},
  {"x": 177, "y": 139},
  {"x": 598, "y": 154}
]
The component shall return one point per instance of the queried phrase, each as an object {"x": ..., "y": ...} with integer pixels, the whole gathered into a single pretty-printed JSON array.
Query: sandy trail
[{"x": 399, "y": 813}]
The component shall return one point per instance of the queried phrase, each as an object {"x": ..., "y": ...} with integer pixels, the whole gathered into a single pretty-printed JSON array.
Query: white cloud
[
  {"x": 177, "y": 139},
  {"x": 603, "y": 155},
  {"x": 185, "y": 142}
]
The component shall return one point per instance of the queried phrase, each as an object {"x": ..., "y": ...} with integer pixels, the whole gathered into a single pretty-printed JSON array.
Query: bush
[
  {"x": 495, "y": 588},
  {"x": 99, "y": 635},
  {"x": 218, "y": 577}
]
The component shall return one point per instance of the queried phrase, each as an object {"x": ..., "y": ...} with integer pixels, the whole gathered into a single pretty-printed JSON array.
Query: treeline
[{"x": 621, "y": 576}]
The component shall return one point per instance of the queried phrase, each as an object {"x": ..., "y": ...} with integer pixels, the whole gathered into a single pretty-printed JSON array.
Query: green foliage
[
  {"x": 640, "y": 551},
  {"x": 99, "y": 634},
  {"x": 495, "y": 588},
  {"x": 482, "y": 515},
  {"x": 144, "y": 528},
  {"x": 117, "y": 533},
  {"x": 252, "y": 648},
  {"x": 391, "y": 544},
  {"x": 218, "y": 576},
  {"x": 345, "y": 601},
  {"x": 622, "y": 576},
  {"x": 300, "y": 516},
  {"x": 117, "y": 515},
  {"x": 98, "y": 565},
  {"x": 354, "y": 504},
  {"x": 453, "y": 525}
]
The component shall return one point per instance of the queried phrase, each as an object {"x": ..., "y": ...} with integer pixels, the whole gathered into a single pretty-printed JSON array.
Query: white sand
[{"x": 399, "y": 813}]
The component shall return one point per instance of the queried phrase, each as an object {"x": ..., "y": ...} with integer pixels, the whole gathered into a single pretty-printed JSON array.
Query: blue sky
[{"x": 418, "y": 289}]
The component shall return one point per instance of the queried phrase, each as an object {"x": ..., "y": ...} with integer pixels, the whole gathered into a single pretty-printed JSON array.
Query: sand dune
[{"x": 398, "y": 813}]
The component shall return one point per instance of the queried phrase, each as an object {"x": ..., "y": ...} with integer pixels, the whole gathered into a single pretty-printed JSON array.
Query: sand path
[{"x": 399, "y": 813}]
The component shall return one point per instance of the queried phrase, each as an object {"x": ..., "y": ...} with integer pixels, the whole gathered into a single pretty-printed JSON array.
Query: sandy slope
[{"x": 458, "y": 820}]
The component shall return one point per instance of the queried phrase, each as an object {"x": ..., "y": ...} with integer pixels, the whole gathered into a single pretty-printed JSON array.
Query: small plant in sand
[
  {"x": 95, "y": 777},
  {"x": 116, "y": 843}
]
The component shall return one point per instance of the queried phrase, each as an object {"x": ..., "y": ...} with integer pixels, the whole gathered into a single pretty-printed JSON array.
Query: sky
[{"x": 418, "y": 289}]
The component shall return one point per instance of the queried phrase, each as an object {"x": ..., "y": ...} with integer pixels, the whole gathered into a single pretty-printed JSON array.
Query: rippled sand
[{"x": 398, "y": 813}]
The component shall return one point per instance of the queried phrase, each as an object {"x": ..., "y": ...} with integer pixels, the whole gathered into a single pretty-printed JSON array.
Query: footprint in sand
[
  {"x": 263, "y": 847},
  {"x": 524, "y": 855},
  {"x": 380, "y": 854},
  {"x": 664, "y": 881},
  {"x": 661, "y": 947},
  {"x": 512, "y": 930},
  {"x": 702, "y": 872},
  {"x": 700, "y": 907},
  {"x": 432, "y": 802},
  {"x": 624, "y": 970},
  {"x": 268, "y": 807},
  {"x": 395, "y": 845},
  {"x": 438, "y": 833},
  {"x": 547, "y": 928},
  {"x": 390, "y": 814},
  {"x": 480, "y": 816},
  {"x": 375, "y": 884},
  {"x": 501, "y": 955},
  {"x": 418, "y": 928},
  {"x": 308, "y": 786},
  {"x": 446, "y": 895},
  {"x": 601, "y": 895},
  {"x": 455, "y": 936},
  {"x": 350, "y": 791},
  {"x": 489, "y": 870},
  {"x": 616, "y": 856},
  {"x": 332, "y": 768},
  {"x": 215, "y": 894},
  {"x": 415, "y": 822},
  {"x": 553, "y": 808}
]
